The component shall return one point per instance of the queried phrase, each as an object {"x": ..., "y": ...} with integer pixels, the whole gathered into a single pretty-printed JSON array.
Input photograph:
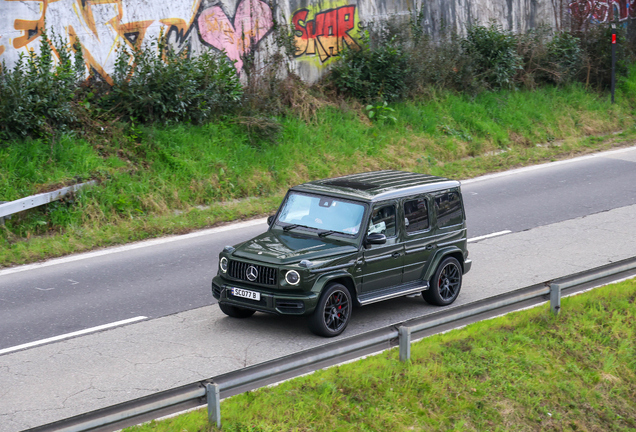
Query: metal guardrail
[
  {"x": 212, "y": 390},
  {"x": 12, "y": 207}
]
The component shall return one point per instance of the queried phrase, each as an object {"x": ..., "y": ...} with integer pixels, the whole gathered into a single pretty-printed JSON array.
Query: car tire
[
  {"x": 333, "y": 311},
  {"x": 445, "y": 284},
  {"x": 235, "y": 311}
]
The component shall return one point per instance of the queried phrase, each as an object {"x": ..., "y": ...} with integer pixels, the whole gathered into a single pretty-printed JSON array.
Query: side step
[{"x": 391, "y": 292}]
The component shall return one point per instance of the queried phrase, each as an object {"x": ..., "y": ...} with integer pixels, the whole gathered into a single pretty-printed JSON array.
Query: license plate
[{"x": 252, "y": 295}]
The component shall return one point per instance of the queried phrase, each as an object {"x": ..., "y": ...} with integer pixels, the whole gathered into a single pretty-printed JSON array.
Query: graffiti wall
[
  {"x": 602, "y": 11},
  {"x": 321, "y": 28},
  {"x": 100, "y": 26}
]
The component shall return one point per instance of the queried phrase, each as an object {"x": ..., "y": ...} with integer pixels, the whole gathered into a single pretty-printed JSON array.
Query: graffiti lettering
[
  {"x": 326, "y": 34},
  {"x": 602, "y": 11},
  {"x": 99, "y": 26},
  {"x": 252, "y": 21}
]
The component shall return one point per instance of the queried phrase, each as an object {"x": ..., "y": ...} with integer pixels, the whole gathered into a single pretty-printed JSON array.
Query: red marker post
[{"x": 613, "y": 60}]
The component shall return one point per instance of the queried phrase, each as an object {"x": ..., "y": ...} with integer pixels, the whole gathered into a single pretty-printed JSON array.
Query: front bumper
[{"x": 270, "y": 302}]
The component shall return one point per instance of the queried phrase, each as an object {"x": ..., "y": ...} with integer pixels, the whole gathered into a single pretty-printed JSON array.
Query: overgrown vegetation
[
  {"x": 526, "y": 371},
  {"x": 378, "y": 70},
  {"x": 176, "y": 140},
  {"x": 165, "y": 86},
  {"x": 37, "y": 96},
  {"x": 398, "y": 61}
]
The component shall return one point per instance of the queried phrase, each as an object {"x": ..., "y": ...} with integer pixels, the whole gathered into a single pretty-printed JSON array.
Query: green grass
[
  {"x": 525, "y": 371},
  {"x": 171, "y": 179}
]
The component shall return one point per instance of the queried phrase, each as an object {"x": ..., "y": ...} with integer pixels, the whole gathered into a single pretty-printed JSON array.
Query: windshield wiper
[
  {"x": 326, "y": 233},
  {"x": 290, "y": 227}
]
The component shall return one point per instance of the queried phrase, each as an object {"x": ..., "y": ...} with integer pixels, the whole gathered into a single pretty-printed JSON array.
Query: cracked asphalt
[{"x": 51, "y": 382}]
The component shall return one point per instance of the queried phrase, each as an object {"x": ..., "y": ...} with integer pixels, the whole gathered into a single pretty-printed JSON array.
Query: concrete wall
[{"x": 322, "y": 27}]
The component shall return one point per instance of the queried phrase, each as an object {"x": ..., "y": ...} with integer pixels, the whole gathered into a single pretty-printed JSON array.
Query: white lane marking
[
  {"x": 70, "y": 335},
  {"x": 132, "y": 246},
  {"x": 495, "y": 234},
  {"x": 547, "y": 165}
]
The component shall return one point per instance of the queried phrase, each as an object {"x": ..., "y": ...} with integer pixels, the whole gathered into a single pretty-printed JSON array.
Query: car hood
[{"x": 287, "y": 248}]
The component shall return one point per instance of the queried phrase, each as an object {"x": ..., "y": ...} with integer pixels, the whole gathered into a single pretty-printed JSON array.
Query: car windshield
[{"x": 321, "y": 212}]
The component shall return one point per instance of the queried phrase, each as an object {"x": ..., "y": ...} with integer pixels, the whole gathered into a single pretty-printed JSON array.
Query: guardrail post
[
  {"x": 214, "y": 403},
  {"x": 555, "y": 298},
  {"x": 404, "y": 338}
]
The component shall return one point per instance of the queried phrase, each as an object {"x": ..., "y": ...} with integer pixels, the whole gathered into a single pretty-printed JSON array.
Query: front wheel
[
  {"x": 446, "y": 283},
  {"x": 332, "y": 313},
  {"x": 235, "y": 311}
]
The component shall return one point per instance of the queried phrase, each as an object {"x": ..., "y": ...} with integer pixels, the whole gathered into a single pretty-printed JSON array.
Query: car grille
[{"x": 266, "y": 275}]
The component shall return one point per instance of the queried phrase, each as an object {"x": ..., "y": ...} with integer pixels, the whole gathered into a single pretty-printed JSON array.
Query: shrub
[
  {"x": 36, "y": 96},
  {"x": 566, "y": 56},
  {"x": 376, "y": 71},
  {"x": 494, "y": 52},
  {"x": 153, "y": 83},
  {"x": 441, "y": 65},
  {"x": 549, "y": 58}
]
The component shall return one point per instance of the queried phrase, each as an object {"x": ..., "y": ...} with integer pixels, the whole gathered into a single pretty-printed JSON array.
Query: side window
[
  {"x": 416, "y": 213},
  {"x": 448, "y": 208},
  {"x": 383, "y": 221}
]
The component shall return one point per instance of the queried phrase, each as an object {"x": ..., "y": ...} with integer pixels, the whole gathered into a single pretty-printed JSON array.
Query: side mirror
[
  {"x": 270, "y": 219},
  {"x": 375, "y": 238}
]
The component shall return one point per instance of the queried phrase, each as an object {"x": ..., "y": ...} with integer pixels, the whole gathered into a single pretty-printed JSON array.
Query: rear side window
[
  {"x": 416, "y": 214},
  {"x": 448, "y": 208}
]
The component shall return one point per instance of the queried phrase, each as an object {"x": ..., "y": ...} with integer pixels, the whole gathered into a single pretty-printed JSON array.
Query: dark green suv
[{"x": 347, "y": 241}]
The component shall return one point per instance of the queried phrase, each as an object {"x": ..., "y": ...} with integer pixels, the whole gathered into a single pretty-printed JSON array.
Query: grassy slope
[
  {"x": 526, "y": 371},
  {"x": 163, "y": 180}
]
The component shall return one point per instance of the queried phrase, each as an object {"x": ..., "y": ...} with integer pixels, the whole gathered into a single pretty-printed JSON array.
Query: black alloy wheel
[
  {"x": 235, "y": 311},
  {"x": 446, "y": 283},
  {"x": 332, "y": 313}
]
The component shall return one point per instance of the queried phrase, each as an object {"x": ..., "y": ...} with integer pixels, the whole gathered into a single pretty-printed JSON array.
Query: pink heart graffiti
[{"x": 252, "y": 21}]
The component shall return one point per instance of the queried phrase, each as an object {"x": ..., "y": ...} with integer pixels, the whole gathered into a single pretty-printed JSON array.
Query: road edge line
[
  {"x": 131, "y": 246},
  {"x": 487, "y": 236},
  {"x": 70, "y": 335}
]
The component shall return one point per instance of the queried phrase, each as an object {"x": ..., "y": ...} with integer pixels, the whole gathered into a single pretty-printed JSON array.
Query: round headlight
[
  {"x": 223, "y": 264},
  {"x": 292, "y": 277}
]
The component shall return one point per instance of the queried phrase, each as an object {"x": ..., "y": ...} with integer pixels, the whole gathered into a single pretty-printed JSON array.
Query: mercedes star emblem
[{"x": 251, "y": 273}]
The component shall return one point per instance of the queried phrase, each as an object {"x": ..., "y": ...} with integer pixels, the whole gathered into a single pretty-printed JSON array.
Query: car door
[
  {"x": 382, "y": 264},
  {"x": 419, "y": 243}
]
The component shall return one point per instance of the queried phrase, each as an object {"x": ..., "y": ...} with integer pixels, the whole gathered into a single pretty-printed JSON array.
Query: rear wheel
[
  {"x": 332, "y": 313},
  {"x": 235, "y": 311},
  {"x": 446, "y": 283}
]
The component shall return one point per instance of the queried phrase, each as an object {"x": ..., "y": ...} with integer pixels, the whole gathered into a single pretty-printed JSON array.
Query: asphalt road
[{"x": 166, "y": 277}]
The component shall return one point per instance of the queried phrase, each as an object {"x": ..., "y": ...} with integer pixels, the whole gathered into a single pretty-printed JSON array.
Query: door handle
[
  {"x": 396, "y": 254},
  {"x": 429, "y": 247}
]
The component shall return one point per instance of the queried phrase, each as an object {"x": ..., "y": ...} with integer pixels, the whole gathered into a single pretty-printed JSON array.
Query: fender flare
[
  {"x": 325, "y": 279},
  {"x": 439, "y": 256}
]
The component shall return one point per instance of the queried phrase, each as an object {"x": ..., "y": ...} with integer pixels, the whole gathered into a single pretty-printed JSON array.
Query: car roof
[{"x": 378, "y": 185}]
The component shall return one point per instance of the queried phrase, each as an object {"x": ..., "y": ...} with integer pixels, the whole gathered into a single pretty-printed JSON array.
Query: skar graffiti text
[{"x": 326, "y": 34}]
